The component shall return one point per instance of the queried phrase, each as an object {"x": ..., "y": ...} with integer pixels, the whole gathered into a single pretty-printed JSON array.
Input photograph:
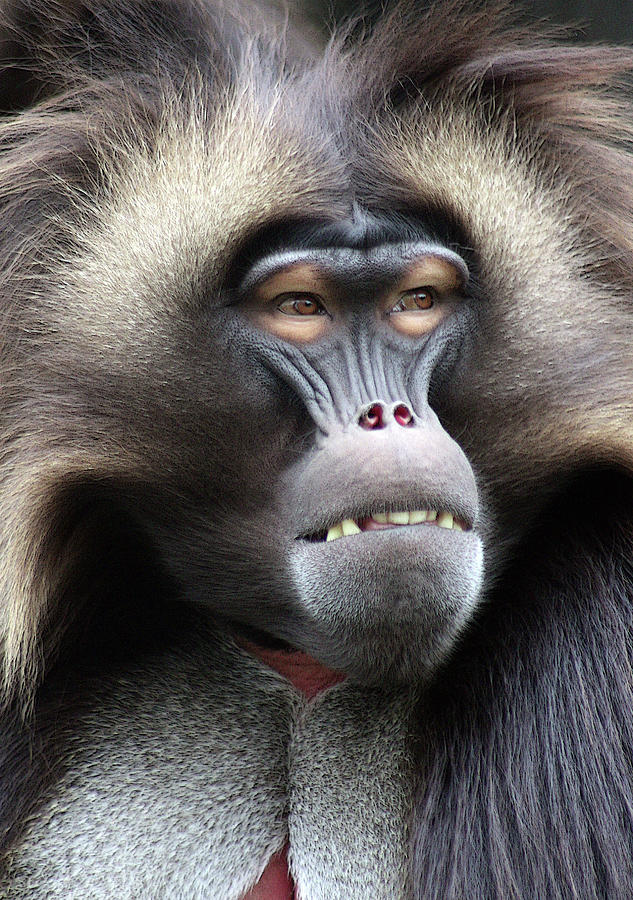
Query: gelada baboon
[{"x": 316, "y": 424}]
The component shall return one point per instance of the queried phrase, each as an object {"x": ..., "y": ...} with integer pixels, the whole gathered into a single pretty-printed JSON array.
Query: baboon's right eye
[{"x": 300, "y": 303}]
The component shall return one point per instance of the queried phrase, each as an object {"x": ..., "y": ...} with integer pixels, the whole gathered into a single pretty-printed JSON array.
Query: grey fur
[
  {"x": 183, "y": 774},
  {"x": 150, "y": 152},
  {"x": 176, "y": 787},
  {"x": 351, "y": 784}
]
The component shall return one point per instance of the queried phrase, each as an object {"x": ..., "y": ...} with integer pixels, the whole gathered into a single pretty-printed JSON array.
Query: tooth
[
  {"x": 349, "y": 527},
  {"x": 398, "y": 518},
  {"x": 431, "y": 515},
  {"x": 445, "y": 520},
  {"x": 417, "y": 516},
  {"x": 381, "y": 518},
  {"x": 457, "y": 526},
  {"x": 336, "y": 531}
]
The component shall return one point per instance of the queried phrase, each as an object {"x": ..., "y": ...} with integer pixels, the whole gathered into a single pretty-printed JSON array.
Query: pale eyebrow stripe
[
  {"x": 274, "y": 263},
  {"x": 418, "y": 249},
  {"x": 406, "y": 252}
]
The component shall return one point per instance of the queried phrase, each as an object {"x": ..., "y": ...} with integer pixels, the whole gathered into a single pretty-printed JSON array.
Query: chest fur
[{"x": 184, "y": 781}]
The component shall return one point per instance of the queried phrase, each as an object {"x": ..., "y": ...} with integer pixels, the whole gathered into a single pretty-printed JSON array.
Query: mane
[
  {"x": 92, "y": 95},
  {"x": 569, "y": 106}
]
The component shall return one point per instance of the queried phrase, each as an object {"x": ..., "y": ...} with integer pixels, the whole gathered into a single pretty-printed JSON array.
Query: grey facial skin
[
  {"x": 313, "y": 361},
  {"x": 407, "y": 589}
]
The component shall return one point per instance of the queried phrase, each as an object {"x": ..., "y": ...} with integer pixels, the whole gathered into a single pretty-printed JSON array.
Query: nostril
[
  {"x": 372, "y": 418},
  {"x": 403, "y": 415}
]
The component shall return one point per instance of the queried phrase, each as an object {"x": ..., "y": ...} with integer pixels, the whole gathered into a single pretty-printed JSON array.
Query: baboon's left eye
[{"x": 416, "y": 299}]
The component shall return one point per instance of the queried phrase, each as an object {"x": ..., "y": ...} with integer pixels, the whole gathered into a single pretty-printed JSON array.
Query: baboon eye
[
  {"x": 298, "y": 303},
  {"x": 416, "y": 299}
]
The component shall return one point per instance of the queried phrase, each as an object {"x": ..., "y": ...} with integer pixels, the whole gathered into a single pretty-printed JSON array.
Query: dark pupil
[
  {"x": 421, "y": 299},
  {"x": 304, "y": 307}
]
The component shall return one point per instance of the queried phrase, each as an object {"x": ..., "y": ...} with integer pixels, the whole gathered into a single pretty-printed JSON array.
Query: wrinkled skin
[
  {"x": 407, "y": 590},
  {"x": 324, "y": 356}
]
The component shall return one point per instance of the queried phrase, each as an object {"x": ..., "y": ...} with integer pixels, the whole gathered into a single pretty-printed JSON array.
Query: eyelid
[
  {"x": 435, "y": 273},
  {"x": 422, "y": 289},
  {"x": 300, "y": 278},
  {"x": 297, "y": 296}
]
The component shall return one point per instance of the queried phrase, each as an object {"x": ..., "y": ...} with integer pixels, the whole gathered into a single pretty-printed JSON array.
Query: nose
[{"x": 379, "y": 415}]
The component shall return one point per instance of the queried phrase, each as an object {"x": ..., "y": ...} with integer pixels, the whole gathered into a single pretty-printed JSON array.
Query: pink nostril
[
  {"x": 403, "y": 415},
  {"x": 372, "y": 417}
]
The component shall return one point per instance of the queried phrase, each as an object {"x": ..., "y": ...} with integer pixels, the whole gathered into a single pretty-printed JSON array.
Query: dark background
[{"x": 592, "y": 20}]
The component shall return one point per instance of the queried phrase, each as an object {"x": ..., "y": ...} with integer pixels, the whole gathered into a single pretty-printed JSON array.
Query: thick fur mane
[
  {"x": 537, "y": 741},
  {"x": 519, "y": 146},
  {"x": 569, "y": 106},
  {"x": 111, "y": 86}
]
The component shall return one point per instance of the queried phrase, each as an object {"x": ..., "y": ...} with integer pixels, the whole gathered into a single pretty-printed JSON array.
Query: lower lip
[{"x": 372, "y": 525}]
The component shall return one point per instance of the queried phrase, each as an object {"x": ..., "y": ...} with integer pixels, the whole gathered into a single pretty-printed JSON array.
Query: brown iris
[
  {"x": 300, "y": 304},
  {"x": 418, "y": 298}
]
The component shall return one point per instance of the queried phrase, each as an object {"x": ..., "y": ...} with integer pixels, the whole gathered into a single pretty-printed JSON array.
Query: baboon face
[{"x": 347, "y": 520}]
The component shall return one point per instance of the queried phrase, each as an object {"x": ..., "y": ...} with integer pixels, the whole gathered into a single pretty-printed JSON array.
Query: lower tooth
[{"x": 336, "y": 531}]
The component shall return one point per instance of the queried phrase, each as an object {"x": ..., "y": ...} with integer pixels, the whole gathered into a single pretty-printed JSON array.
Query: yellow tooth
[
  {"x": 417, "y": 516},
  {"x": 349, "y": 527},
  {"x": 336, "y": 531},
  {"x": 398, "y": 518},
  {"x": 380, "y": 517},
  {"x": 445, "y": 520},
  {"x": 431, "y": 515},
  {"x": 457, "y": 527}
]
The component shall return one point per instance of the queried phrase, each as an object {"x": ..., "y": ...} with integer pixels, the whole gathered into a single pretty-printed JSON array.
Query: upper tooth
[
  {"x": 336, "y": 531},
  {"x": 398, "y": 518},
  {"x": 349, "y": 526}
]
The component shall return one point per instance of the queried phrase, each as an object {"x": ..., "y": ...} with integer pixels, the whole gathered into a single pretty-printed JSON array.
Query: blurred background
[{"x": 591, "y": 20}]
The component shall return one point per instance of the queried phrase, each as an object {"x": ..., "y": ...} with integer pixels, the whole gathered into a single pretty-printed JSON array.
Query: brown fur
[{"x": 133, "y": 145}]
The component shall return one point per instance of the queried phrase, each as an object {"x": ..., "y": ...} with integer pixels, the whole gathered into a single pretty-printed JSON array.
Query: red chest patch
[
  {"x": 276, "y": 883},
  {"x": 307, "y": 674},
  {"x": 310, "y": 677}
]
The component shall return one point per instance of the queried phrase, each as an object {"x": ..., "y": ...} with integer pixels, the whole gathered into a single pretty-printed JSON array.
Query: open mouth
[{"x": 388, "y": 520}]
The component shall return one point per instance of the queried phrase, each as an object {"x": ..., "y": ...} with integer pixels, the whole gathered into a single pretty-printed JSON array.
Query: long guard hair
[{"x": 524, "y": 147}]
